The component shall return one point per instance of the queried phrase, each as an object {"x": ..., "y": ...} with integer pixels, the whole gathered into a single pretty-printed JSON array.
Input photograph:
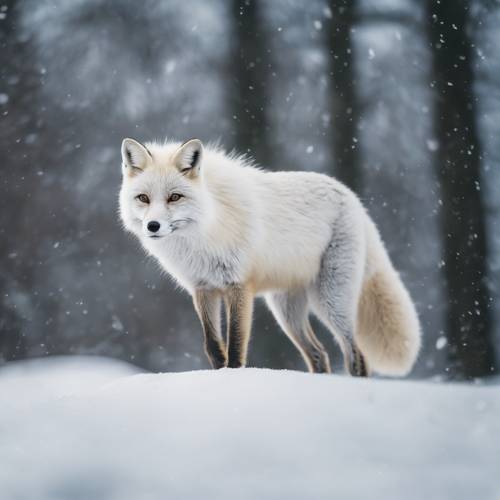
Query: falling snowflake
[
  {"x": 432, "y": 144},
  {"x": 440, "y": 343}
]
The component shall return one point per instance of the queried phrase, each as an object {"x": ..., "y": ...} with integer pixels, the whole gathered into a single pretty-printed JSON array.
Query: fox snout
[{"x": 157, "y": 229}]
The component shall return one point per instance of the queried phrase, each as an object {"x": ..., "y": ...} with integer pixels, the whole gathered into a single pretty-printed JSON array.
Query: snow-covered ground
[{"x": 90, "y": 429}]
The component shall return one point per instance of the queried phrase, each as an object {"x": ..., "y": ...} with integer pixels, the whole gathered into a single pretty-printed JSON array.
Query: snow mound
[
  {"x": 24, "y": 383},
  {"x": 100, "y": 433}
]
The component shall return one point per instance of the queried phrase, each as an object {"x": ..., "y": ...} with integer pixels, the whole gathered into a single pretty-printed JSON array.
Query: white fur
[{"x": 272, "y": 231}]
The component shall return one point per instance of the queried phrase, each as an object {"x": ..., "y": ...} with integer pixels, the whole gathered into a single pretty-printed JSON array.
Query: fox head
[{"x": 162, "y": 191}]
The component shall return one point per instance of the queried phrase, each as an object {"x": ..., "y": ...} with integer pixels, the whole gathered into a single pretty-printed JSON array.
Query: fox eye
[
  {"x": 143, "y": 198},
  {"x": 174, "y": 197}
]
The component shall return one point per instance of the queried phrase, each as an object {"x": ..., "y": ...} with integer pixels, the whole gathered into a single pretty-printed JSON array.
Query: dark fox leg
[
  {"x": 335, "y": 295},
  {"x": 239, "y": 307},
  {"x": 291, "y": 312},
  {"x": 354, "y": 360},
  {"x": 361, "y": 367},
  {"x": 208, "y": 306}
]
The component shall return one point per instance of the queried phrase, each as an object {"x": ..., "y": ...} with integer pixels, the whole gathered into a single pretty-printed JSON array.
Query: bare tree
[
  {"x": 249, "y": 69},
  {"x": 344, "y": 103},
  {"x": 458, "y": 163},
  {"x": 19, "y": 81}
]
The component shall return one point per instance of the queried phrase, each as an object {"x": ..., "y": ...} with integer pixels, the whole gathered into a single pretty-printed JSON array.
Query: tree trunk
[
  {"x": 458, "y": 167},
  {"x": 20, "y": 82},
  {"x": 343, "y": 98},
  {"x": 250, "y": 72}
]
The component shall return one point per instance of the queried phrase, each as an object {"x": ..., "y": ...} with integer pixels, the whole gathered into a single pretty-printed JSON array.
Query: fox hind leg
[
  {"x": 335, "y": 295},
  {"x": 354, "y": 360},
  {"x": 290, "y": 310}
]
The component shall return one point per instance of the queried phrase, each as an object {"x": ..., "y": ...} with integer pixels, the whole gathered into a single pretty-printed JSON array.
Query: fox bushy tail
[{"x": 388, "y": 330}]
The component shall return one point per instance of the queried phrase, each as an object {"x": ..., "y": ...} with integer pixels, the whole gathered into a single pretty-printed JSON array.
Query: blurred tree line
[{"x": 386, "y": 95}]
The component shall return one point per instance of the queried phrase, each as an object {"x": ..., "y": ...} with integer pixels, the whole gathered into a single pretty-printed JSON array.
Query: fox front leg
[
  {"x": 208, "y": 306},
  {"x": 239, "y": 307}
]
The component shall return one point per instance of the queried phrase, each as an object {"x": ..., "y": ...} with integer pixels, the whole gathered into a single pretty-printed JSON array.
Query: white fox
[{"x": 228, "y": 231}]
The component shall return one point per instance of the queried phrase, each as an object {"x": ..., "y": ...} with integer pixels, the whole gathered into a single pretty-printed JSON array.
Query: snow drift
[{"x": 94, "y": 430}]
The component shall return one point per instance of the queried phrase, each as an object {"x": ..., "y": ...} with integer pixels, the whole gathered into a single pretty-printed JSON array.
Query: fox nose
[{"x": 153, "y": 226}]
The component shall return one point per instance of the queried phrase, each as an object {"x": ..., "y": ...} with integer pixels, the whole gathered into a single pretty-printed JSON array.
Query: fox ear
[
  {"x": 135, "y": 156},
  {"x": 188, "y": 157}
]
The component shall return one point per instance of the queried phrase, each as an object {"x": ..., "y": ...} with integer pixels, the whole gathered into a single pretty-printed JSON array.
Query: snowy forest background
[{"x": 398, "y": 98}]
